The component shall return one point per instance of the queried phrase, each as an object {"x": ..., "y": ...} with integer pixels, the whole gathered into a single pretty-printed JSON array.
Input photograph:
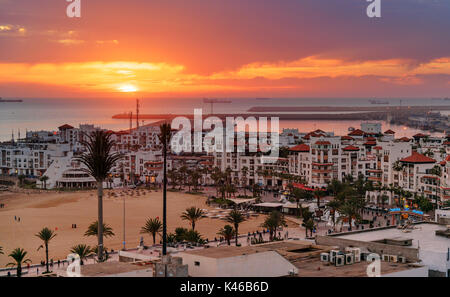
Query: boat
[
  {"x": 375, "y": 101},
  {"x": 10, "y": 100},
  {"x": 209, "y": 100}
]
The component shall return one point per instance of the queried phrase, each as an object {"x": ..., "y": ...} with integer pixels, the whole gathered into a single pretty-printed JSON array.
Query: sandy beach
[{"x": 59, "y": 210}]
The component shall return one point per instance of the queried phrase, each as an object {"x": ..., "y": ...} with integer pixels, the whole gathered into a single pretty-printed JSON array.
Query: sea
[{"x": 36, "y": 114}]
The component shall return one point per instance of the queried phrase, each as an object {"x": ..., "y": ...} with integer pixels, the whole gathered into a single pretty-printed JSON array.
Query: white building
[{"x": 236, "y": 262}]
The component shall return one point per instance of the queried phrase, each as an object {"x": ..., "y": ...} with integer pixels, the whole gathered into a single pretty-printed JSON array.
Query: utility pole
[{"x": 138, "y": 105}]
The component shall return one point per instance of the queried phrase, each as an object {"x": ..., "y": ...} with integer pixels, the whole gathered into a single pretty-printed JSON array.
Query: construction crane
[{"x": 214, "y": 101}]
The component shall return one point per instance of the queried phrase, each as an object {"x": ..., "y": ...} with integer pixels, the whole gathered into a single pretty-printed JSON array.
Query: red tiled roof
[
  {"x": 419, "y": 135},
  {"x": 351, "y": 148},
  {"x": 448, "y": 158},
  {"x": 389, "y": 132},
  {"x": 446, "y": 142},
  {"x": 345, "y": 137},
  {"x": 356, "y": 132},
  {"x": 323, "y": 143},
  {"x": 370, "y": 143},
  {"x": 300, "y": 148},
  {"x": 371, "y": 138},
  {"x": 378, "y": 148},
  {"x": 418, "y": 159},
  {"x": 443, "y": 163},
  {"x": 319, "y": 131},
  {"x": 405, "y": 139},
  {"x": 65, "y": 127}
]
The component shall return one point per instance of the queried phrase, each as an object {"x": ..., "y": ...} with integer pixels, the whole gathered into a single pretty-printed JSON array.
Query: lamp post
[{"x": 124, "y": 247}]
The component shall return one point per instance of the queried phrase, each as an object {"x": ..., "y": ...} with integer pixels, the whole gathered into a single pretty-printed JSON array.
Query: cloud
[
  {"x": 312, "y": 75},
  {"x": 70, "y": 41},
  {"x": 12, "y": 30}
]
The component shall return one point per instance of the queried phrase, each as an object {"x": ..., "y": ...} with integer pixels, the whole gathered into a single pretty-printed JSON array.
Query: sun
[{"x": 128, "y": 89}]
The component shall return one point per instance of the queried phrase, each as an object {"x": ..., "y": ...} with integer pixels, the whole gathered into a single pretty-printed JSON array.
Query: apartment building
[{"x": 30, "y": 159}]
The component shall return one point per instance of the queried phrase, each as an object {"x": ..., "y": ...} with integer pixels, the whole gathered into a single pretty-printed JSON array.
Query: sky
[{"x": 225, "y": 48}]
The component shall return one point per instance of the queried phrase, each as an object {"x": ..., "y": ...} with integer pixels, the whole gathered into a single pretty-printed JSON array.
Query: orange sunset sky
[{"x": 234, "y": 48}]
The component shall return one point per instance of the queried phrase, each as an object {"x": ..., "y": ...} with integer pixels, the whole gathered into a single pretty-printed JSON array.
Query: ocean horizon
[{"x": 35, "y": 114}]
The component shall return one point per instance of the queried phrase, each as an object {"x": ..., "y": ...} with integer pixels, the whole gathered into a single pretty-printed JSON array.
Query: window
[{"x": 196, "y": 263}]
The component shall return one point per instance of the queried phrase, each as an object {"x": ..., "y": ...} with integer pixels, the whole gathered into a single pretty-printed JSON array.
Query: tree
[
  {"x": 44, "y": 179},
  {"x": 227, "y": 232},
  {"x": 1, "y": 250},
  {"x": 308, "y": 221},
  {"x": 46, "y": 235},
  {"x": 19, "y": 257},
  {"x": 235, "y": 217},
  {"x": 99, "y": 161},
  {"x": 333, "y": 207},
  {"x": 272, "y": 222},
  {"x": 83, "y": 251},
  {"x": 193, "y": 236},
  {"x": 192, "y": 215},
  {"x": 93, "y": 230},
  {"x": 244, "y": 173},
  {"x": 152, "y": 227},
  {"x": 335, "y": 186},
  {"x": 179, "y": 233},
  {"x": 173, "y": 175},
  {"x": 318, "y": 194},
  {"x": 164, "y": 137},
  {"x": 397, "y": 166}
]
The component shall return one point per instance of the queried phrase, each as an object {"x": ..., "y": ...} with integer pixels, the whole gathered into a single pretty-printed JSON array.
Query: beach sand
[{"x": 59, "y": 210}]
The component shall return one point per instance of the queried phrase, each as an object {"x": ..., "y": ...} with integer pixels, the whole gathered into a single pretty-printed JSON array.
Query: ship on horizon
[
  {"x": 375, "y": 101},
  {"x": 10, "y": 100}
]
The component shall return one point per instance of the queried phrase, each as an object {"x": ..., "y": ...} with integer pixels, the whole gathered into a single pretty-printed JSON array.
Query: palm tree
[
  {"x": 44, "y": 179},
  {"x": 308, "y": 222},
  {"x": 227, "y": 232},
  {"x": 93, "y": 230},
  {"x": 333, "y": 206},
  {"x": 152, "y": 227},
  {"x": 235, "y": 217},
  {"x": 164, "y": 138},
  {"x": 46, "y": 235},
  {"x": 99, "y": 161},
  {"x": 193, "y": 236},
  {"x": 106, "y": 255},
  {"x": 19, "y": 257},
  {"x": 83, "y": 251},
  {"x": 318, "y": 194},
  {"x": 192, "y": 215},
  {"x": 272, "y": 222},
  {"x": 244, "y": 172}
]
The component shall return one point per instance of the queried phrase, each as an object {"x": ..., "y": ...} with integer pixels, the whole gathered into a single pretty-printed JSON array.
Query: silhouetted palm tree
[
  {"x": 99, "y": 161},
  {"x": 227, "y": 232},
  {"x": 152, "y": 227},
  {"x": 46, "y": 235},
  {"x": 19, "y": 257},
  {"x": 83, "y": 251},
  {"x": 164, "y": 138},
  {"x": 192, "y": 215},
  {"x": 93, "y": 230},
  {"x": 235, "y": 217}
]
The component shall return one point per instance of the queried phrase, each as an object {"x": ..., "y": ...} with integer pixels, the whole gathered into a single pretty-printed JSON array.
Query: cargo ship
[
  {"x": 374, "y": 101},
  {"x": 10, "y": 100}
]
